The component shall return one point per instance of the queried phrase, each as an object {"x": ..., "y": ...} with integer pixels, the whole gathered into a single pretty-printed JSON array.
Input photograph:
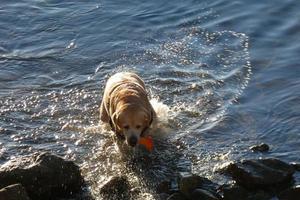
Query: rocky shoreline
[
  {"x": 254, "y": 179},
  {"x": 50, "y": 177},
  {"x": 40, "y": 176}
]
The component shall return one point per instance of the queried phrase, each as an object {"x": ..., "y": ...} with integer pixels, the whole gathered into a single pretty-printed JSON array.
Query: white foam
[
  {"x": 162, "y": 110},
  {"x": 160, "y": 125}
]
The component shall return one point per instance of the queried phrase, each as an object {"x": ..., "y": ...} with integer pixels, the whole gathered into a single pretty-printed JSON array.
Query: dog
[{"x": 126, "y": 107}]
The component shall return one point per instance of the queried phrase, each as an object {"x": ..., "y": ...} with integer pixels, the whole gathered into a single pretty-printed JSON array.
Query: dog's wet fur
[{"x": 126, "y": 107}]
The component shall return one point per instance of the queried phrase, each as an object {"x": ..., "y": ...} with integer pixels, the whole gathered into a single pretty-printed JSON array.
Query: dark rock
[
  {"x": 200, "y": 194},
  {"x": 261, "y": 173},
  {"x": 295, "y": 165},
  {"x": 116, "y": 188},
  {"x": 260, "y": 147},
  {"x": 177, "y": 196},
  {"x": 44, "y": 176},
  {"x": 290, "y": 194},
  {"x": 259, "y": 194},
  {"x": 163, "y": 187},
  {"x": 163, "y": 196},
  {"x": 189, "y": 182},
  {"x": 14, "y": 192},
  {"x": 233, "y": 192}
]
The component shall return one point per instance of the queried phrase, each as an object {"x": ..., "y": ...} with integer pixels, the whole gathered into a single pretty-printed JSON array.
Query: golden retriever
[{"x": 126, "y": 107}]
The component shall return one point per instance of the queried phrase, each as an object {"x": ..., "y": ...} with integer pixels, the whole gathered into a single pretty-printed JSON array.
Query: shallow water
[{"x": 227, "y": 70}]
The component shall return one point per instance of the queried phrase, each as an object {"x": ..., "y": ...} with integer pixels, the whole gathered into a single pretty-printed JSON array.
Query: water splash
[{"x": 195, "y": 74}]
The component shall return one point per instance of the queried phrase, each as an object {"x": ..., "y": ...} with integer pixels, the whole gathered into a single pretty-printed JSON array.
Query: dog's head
[{"x": 132, "y": 121}]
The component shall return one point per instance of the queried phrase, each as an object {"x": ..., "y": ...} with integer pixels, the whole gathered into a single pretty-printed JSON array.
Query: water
[{"x": 228, "y": 71}]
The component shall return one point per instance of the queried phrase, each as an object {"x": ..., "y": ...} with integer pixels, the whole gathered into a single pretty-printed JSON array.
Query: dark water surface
[{"x": 228, "y": 70}]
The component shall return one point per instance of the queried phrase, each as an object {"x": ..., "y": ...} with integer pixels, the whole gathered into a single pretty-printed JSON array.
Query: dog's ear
[
  {"x": 114, "y": 121},
  {"x": 103, "y": 113}
]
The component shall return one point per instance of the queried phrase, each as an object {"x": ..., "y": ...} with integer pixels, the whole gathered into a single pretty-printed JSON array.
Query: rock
[
  {"x": 260, "y": 147},
  {"x": 116, "y": 188},
  {"x": 259, "y": 194},
  {"x": 14, "y": 192},
  {"x": 177, "y": 196},
  {"x": 163, "y": 196},
  {"x": 44, "y": 176},
  {"x": 295, "y": 165},
  {"x": 261, "y": 173},
  {"x": 200, "y": 194},
  {"x": 163, "y": 187},
  {"x": 290, "y": 194},
  {"x": 233, "y": 192},
  {"x": 189, "y": 182}
]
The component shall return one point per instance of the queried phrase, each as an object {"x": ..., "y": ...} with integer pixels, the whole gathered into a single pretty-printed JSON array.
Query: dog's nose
[{"x": 132, "y": 141}]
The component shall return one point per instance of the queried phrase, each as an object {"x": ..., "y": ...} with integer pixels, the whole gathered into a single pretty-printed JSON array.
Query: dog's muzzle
[{"x": 132, "y": 141}]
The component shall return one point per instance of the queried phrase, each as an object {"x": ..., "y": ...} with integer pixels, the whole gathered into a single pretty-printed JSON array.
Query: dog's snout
[{"x": 132, "y": 141}]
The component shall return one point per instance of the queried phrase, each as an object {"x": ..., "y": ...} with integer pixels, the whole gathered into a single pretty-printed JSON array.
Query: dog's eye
[
  {"x": 126, "y": 127},
  {"x": 138, "y": 127}
]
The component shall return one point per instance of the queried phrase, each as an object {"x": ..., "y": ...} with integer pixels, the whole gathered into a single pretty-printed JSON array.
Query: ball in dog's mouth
[{"x": 147, "y": 142}]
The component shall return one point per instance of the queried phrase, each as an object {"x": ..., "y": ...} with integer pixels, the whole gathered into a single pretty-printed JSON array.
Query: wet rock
[
  {"x": 260, "y": 194},
  {"x": 233, "y": 192},
  {"x": 261, "y": 173},
  {"x": 290, "y": 194},
  {"x": 200, "y": 194},
  {"x": 14, "y": 192},
  {"x": 260, "y": 147},
  {"x": 44, "y": 176},
  {"x": 295, "y": 165},
  {"x": 163, "y": 196},
  {"x": 116, "y": 188},
  {"x": 177, "y": 196},
  {"x": 189, "y": 182},
  {"x": 163, "y": 187}
]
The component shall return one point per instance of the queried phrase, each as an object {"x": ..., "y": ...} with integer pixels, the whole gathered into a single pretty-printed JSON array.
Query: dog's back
[
  {"x": 114, "y": 83},
  {"x": 122, "y": 78}
]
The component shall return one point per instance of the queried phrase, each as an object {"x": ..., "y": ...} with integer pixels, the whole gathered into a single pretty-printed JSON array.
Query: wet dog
[{"x": 126, "y": 107}]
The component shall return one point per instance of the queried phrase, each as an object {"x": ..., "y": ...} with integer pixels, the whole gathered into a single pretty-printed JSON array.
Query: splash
[
  {"x": 193, "y": 77},
  {"x": 197, "y": 73}
]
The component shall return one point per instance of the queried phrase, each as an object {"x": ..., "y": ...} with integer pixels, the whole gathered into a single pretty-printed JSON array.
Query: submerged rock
[
  {"x": 116, "y": 188},
  {"x": 261, "y": 173},
  {"x": 13, "y": 192},
  {"x": 290, "y": 194},
  {"x": 44, "y": 176},
  {"x": 260, "y": 147}
]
